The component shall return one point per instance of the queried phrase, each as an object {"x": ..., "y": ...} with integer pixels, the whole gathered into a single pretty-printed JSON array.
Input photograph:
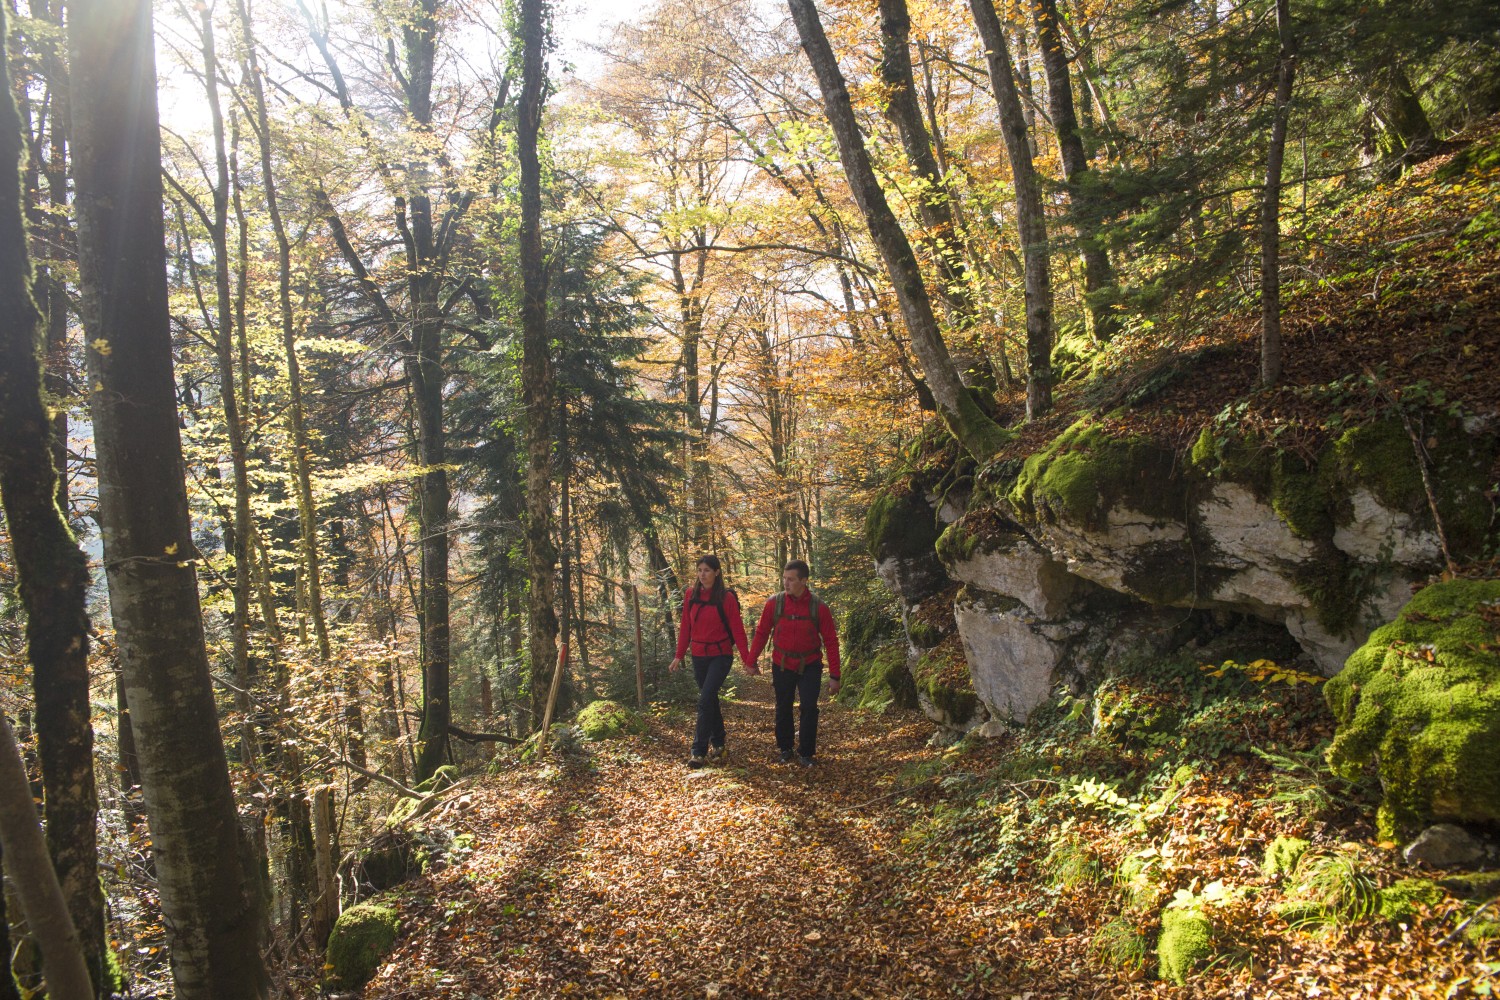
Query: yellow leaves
[{"x": 101, "y": 347}]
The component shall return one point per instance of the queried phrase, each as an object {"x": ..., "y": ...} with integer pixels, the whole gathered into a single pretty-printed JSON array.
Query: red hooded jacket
[
  {"x": 798, "y": 635},
  {"x": 703, "y": 629}
]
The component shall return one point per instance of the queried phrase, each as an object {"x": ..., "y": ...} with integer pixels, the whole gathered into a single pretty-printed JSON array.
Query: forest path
[{"x": 631, "y": 875}]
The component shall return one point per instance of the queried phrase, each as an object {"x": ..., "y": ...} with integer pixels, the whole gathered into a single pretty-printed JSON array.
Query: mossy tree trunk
[
  {"x": 52, "y": 570},
  {"x": 1030, "y": 221},
  {"x": 207, "y": 896},
  {"x": 537, "y": 380},
  {"x": 976, "y": 432}
]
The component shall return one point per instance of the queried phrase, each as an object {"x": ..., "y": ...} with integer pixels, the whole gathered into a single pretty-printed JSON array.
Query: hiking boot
[
  {"x": 805, "y": 761},
  {"x": 715, "y": 753},
  {"x": 786, "y": 756},
  {"x": 696, "y": 761}
]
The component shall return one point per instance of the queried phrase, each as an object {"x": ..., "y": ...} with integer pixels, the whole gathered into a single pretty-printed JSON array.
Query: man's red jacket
[
  {"x": 798, "y": 635},
  {"x": 703, "y": 629}
]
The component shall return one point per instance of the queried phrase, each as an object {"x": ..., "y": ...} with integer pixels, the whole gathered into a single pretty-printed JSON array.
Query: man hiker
[
  {"x": 712, "y": 628},
  {"x": 799, "y": 628}
]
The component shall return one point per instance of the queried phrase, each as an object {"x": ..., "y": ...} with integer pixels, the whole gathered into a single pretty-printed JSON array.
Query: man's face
[{"x": 793, "y": 583}]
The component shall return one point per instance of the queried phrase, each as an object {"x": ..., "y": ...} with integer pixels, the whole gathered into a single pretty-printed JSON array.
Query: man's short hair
[{"x": 800, "y": 567}]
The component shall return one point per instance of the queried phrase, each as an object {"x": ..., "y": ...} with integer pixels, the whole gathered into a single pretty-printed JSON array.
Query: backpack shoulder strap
[{"x": 724, "y": 616}]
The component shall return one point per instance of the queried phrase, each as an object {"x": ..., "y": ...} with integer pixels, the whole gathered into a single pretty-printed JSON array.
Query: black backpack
[{"x": 723, "y": 616}]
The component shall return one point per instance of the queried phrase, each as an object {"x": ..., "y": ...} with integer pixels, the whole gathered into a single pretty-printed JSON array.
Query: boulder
[
  {"x": 1445, "y": 846},
  {"x": 1421, "y": 701},
  {"x": 361, "y": 938},
  {"x": 1013, "y": 655}
]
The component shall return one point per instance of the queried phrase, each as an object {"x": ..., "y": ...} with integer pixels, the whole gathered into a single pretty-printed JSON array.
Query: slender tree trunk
[
  {"x": 52, "y": 571},
  {"x": 207, "y": 900},
  {"x": 977, "y": 433},
  {"x": 1030, "y": 221},
  {"x": 935, "y": 206},
  {"x": 30, "y": 868},
  {"x": 1098, "y": 273},
  {"x": 8, "y": 990},
  {"x": 1270, "y": 206},
  {"x": 536, "y": 363}
]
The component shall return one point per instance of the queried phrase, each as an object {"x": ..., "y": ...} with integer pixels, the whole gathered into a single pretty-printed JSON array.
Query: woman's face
[{"x": 707, "y": 575}]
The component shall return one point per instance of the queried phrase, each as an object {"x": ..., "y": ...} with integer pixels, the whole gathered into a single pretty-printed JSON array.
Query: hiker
[
  {"x": 799, "y": 628},
  {"x": 712, "y": 627}
]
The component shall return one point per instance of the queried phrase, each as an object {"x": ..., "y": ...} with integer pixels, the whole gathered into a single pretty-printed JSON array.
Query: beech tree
[
  {"x": 978, "y": 434},
  {"x": 149, "y": 556}
]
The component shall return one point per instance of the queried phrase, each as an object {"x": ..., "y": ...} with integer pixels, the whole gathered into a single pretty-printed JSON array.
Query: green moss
[
  {"x": 442, "y": 778},
  {"x": 1473, "y": 885},
  {"x": 900, "y": 524},
  {"x": 924, "y": 636},
  {"x": 1335, "y": 586},
  {"x": 1482, "y": 931},
  {"x": 1378, "y": 456},
  {"x": 1186, "y": 943},
  {"x": 361, "y": 937},
  {"x": 1421, "y": 701},
  {"x": 1084, "y": 472},
  {"x": 1399, "y": 902},
  {"x": 980, "y": 436},
  {"x": 956, "y": 543},
  {"x": 879, "y": 682},
  {"x": 1282, "y": 855},
  {"x": 608, "y": 720},
  {"x": 943, "y": 675}
]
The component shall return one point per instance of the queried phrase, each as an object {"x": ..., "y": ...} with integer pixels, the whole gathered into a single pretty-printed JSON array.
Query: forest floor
[{"x": 620, "y": 872}]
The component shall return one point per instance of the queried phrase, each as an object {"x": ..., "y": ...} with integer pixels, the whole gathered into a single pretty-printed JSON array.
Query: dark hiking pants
[
  {"x": 710, "y": 672},
  {"x": 789, "y": 684}
]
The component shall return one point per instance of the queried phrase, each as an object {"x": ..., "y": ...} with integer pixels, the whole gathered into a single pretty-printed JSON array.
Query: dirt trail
[{"x": 634, "y": 876}]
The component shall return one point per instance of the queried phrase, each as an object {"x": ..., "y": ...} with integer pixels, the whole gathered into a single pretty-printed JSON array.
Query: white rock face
[
  {"x": 1378, "y": 534},
  {"x": 1021, "y": 569},
  {"x": 1013, "y": 655},
  {"x": 1106, "y": 555}
]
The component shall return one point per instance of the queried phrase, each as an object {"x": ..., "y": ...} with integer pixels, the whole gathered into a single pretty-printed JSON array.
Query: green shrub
[
  {"x": 361, "y": 938},
  {"x": 1338, "y": 882},
  {"x": 608, "y": 720}
]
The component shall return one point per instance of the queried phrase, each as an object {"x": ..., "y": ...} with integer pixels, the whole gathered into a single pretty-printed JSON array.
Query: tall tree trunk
[
  {"x": 1098, "y": 273},
  {"x": 207, "y": 900},
  {"x": 52, "y": 571},
  {"x": 1407, "y": 127},
  {"x": 536, "y": 364},
  {"x": 1030, "y": 221},
  {"x": 977, "y": 433},
  {"x": 1270, "y": 204},
  {"x": 935, "y": 206},
  {"x": 225, "y": 353}
]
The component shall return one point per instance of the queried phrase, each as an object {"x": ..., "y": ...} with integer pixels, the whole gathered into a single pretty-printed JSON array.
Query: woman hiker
[{"x": 712, "y": 627}]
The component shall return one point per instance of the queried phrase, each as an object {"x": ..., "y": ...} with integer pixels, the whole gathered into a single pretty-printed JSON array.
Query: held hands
[
  {"x": 676, "y": 665},
  {"x": 753, "y": 668},
  {"x": 833, "y": 686}
]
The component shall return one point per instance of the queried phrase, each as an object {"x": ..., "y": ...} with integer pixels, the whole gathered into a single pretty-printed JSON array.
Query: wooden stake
[
  {"x": 325, "y": 908},
  {"x": 562, "y": 658},
  {"x": 640, "y": 666}
]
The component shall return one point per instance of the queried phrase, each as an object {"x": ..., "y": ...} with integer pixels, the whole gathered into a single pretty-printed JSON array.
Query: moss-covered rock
[
  {"x": 1399, "y": 902},
  {"x": 1421, "y": 701},
  {"x": 942, "y": 675},
  {"x": 1472, "y": 885},
  {"x": 442, "y": 778},
  {"x": 1282, "y": 855},
  {"x": 361, "y": 937},
  {"x": 900, "y": 525},
  {"x": 1186, "y": 943},
  {"x": 608, "y": 720},
  {"x": 1084, "y": 472},
  {"x": 879, "y": 682}
]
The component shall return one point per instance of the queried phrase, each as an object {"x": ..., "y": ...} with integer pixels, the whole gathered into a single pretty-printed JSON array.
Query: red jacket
[
  {"x": 798, "y": 635},
  {"x": 703, "y": 629}
]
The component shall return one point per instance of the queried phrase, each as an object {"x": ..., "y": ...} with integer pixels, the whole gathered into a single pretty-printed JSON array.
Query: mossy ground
[
  {"x": 608, "y": 720},
  {"x": 879, "y": 682},
  {"x": 361, "y": 938},
  {"x": 1282, "y": 855},
  {"x": 1420, "y": 701},
  {"x": 1185, "y": 944}
]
